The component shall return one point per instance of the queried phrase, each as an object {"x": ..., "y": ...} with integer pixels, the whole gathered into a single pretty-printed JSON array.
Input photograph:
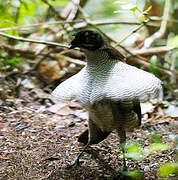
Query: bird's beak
[
  {"x": 71, "y": 47},
  {"x": 72, "y": 44}
]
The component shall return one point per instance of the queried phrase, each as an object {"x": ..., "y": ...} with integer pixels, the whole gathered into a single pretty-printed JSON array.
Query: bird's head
[{"x": 88, "y": 39}]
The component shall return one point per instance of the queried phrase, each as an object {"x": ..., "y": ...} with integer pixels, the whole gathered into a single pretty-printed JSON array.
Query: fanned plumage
[
  {"x": 109, "y": 89},
  {"x": 122, "y": 82}
]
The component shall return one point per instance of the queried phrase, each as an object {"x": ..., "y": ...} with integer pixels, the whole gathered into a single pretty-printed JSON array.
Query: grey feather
[{"x": 109, "y": 79}]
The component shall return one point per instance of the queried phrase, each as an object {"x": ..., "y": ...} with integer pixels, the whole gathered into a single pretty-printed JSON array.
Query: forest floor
[{"x": 38, "y": 139}]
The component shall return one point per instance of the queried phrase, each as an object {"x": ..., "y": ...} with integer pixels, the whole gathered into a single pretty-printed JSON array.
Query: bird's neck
[{"x": 99, "y": 60}]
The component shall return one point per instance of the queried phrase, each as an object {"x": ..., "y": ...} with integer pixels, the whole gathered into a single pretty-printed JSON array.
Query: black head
[{"x": 88, "y": 39}]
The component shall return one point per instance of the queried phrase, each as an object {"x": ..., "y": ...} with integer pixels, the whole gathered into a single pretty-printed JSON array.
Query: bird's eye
[
  {"x": 93, "y": 36},
  {"x": 86, "y": 33},
  {"x": 87, "y": 39}
]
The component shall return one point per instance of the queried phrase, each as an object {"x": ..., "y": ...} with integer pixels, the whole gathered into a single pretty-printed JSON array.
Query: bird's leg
[
  {"x": 80, "y": 154},
  {"x": 76, "y": 161},
  {"x": 123, "y": 152},
  {"x": 118, "y": 115},
  {"x": 122, "y": 135}
]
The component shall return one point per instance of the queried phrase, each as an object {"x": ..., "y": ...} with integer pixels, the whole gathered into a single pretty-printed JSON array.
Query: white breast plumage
[{"x": 121, "y": 83}]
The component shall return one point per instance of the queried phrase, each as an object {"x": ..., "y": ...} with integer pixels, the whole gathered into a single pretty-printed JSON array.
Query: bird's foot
[
  {"x": 124, "y": 169},
  {"x": 124, "y": 162},
  {"x": 74, "y": 164}
]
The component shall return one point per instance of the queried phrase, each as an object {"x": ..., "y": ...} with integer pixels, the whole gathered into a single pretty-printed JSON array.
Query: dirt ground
[{"x": 36, "y": 144}]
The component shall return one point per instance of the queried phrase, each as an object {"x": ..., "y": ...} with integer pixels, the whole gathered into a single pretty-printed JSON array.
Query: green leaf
[
  {"x": 134, "y": 151},
  {"x": 153, "y": 65},
  {"x": 168, "y": 168},
  {"x": 6, "y": 19},
  {"x": 135, "y": 156},
  {"x": 135, "y": 174},
  {"x": 12, "y": 61},
  {"x": 155, "y": 138},
  {"x": 60, "y": 3},
  {"x": 157, "y": 147},
  {"x": 4, "y": 54},
  {"x": 148, "y": 9},
  {"x": 165, "y": 104},
  {"x": 25, "y": 3},
  {"x": 133, "y": 9},
  {"x": 132, "y": 147},
  {"x": 173, "y": 42},
  {"x": 161, "y": 2},
  {"x": 26, "y": 14}
]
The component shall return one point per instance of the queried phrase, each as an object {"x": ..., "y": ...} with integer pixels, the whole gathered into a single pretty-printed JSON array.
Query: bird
[{"x": 109, "y": 89}]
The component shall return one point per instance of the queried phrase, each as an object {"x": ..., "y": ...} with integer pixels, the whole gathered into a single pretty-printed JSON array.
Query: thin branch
[
  {"x": 74, "y": 9},
  {"x": 146, "y": 65},
  {"x": 96, "y": 22},
  {"x": 75, "y": 61},
  {"x": 67, "y": 10},
  {"x": 71, "y": 56},
  {"x": 17, "y": 50},
  {"x": 39, "y": 24},
  {"x": 77, "y": 23},
  {"x": 52, "y": 8},
  {"x": 151, "y": 51},
  {"x": 156, "y": 18},
  {"x": 148, "y": 42},
  {"x": 79, "y": 55},
  {"x": 132, "y": 32},
  {"x": 33, "y": 41},
  {"x": 113, "y": 21},
  {"x": 137, "y": 54},
  {"x": 130, "y": 60}
]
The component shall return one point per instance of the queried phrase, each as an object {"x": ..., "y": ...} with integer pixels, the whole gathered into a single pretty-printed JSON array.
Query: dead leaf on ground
[
  {"x": 61, "y": 109},
  {"x": 41, "y": 94},
  {"x": 74, "y": 104},
  {"x": 147, "y": 107},
  {"x": 50, "y": 70},
  {"x": 166, "y": 119},
  {"x": 1, "y": 127}
]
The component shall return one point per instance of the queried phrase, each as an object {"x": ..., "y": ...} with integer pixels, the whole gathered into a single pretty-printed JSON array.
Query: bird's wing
[
  {"x": 115, "y": 54},
  {"x": 126, "y": 82},
  {"x": 69, "y": 89},
  {"x": 137, "y": 110},
  {"x": 127, "y": 113}
]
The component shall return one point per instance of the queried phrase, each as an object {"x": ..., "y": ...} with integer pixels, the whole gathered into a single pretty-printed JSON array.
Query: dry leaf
[
  {"x": 50, "y": 70},
  {"x": 61, "y": 109}
]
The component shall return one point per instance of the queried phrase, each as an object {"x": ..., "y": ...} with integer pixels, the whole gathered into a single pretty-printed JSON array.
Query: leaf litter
[{"x": 38, "y": 139}]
